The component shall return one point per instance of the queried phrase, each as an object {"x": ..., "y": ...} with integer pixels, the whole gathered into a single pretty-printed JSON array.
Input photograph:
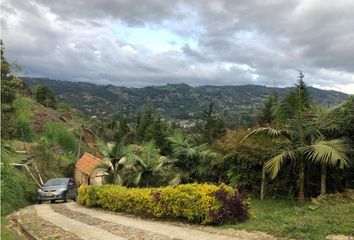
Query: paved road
[{"x": 93, "y": 224}]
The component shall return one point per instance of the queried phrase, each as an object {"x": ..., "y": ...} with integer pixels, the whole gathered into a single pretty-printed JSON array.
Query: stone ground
[{"x": 71, "y": 221}]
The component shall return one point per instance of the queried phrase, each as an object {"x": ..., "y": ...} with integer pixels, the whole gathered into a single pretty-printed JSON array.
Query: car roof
[
  {"x": 59, "y": 178},
  {"x": 66, "y": 179}
]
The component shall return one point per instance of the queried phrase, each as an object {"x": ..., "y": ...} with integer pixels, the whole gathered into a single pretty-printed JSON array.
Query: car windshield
[{"x": 56, "y": 182}]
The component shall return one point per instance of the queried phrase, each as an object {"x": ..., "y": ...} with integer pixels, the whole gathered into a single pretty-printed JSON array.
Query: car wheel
[
  {"x": 66, "y": 197},
  {"x": 52, "y": 201},
  {"x": 75, "y": 199}
]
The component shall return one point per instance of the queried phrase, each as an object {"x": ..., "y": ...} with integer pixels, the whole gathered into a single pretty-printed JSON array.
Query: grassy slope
[
  {"x": 287, "y": 218},
  {"x": 19, "y": 187}
]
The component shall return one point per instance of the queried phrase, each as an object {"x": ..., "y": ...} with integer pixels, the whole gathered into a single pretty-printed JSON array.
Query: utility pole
[
  {"x": 80, "y": 141},
  {"x": 81, "y": 132}
]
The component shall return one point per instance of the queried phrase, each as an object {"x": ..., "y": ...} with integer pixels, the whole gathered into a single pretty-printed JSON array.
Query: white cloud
[{"x": 139, "y": 42}]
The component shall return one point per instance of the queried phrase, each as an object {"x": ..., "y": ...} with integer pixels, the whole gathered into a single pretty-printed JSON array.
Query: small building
[{"x": 90, "y": 170}]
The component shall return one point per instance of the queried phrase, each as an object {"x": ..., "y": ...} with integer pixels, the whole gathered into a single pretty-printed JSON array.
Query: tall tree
[
  {"x": 214, "y": 125},
  {"x": 302, "y": 140},
  {"x": 144, "y": 121},
  {"x": 265, "y": 115},
  {"x": 123, "y": 127}
]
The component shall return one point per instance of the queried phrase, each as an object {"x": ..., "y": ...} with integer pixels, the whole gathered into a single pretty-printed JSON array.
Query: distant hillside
[{"x": 174, "y": 101}]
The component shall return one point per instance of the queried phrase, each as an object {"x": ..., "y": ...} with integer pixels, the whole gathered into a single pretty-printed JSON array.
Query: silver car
[{"x": 57, "y": 189}]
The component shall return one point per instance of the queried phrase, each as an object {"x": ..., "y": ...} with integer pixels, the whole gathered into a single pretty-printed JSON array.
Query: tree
[
  {"x": 140, "y": 166},
  {"x": 46, "y": 97},
  {"x": 144, "y": 121},
  {"x": 123, "y": 127},
  {"x": 10, "y": 84},
  {"x": 213, "y": 127},
  {"x": 187, "y": 163},
  {"x": 335, "y": 122},
  {"x": 295, "y": 102},
  {"x": 302, "y": 140},
  {"x": 265, "y": 115}
]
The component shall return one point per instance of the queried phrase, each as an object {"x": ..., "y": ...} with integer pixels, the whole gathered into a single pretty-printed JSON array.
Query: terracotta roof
[{"x": 87, "y": 163}]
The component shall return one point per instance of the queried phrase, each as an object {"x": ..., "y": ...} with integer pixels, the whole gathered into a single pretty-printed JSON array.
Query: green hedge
[{"x": 202, "y": 203}]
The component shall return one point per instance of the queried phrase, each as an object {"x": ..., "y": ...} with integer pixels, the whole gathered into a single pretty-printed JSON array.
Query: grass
[
  {"x": 287, "y": 218},
  {"x": 6, "y": 233},
  {"x": 11, "y": 157},
  {"x": 24, "y": 107}
]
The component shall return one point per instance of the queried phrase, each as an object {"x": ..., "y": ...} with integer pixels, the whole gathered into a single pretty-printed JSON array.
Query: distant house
[{"x": 90, "y": 170}]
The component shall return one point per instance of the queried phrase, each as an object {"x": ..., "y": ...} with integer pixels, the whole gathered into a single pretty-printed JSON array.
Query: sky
[{"x": 139, "y": 43}]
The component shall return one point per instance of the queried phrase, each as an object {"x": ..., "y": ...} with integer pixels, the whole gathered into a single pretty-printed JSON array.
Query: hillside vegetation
[
  {"x": 37, "y": 136},
  {"x": 238, "y": 104}
]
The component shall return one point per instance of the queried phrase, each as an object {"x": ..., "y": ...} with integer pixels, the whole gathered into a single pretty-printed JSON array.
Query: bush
[
  {"x": 17, "y": 190},
  {"x": 24, "y": 130},
  {"x": 202, "y": 203},
  {"x": 58, "y": 134}
]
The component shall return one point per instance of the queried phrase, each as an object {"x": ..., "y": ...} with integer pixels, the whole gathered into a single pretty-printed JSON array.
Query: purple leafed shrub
[
  {"x": 235, "y": 208},
  {"x": 156, "y": 195}
]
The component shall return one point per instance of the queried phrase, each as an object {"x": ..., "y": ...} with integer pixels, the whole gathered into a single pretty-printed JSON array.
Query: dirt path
[{"x": 83, "y": 223}]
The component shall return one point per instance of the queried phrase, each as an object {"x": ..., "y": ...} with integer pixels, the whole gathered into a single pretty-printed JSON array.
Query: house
[{"x": 90, "y": 170}]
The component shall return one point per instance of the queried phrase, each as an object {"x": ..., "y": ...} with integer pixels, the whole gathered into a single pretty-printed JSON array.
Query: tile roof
[{"x": 87, "y": 163}]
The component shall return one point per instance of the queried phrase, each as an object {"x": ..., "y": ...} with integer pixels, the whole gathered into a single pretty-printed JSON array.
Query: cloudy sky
[{"x": 198, "y": 42}]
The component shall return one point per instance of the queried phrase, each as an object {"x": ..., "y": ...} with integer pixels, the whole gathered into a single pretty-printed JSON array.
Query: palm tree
[
  {"x": 302, "y": 140},
  {"x": 186, "y": 161},
  {"x": 140, "y": 165},
  {"x": 327, "y": 126},
  {"x": 111, "y": 155}
]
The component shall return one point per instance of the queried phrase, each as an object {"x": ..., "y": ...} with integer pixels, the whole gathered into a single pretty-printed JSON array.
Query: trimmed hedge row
[{"x": 202, "y": 203}]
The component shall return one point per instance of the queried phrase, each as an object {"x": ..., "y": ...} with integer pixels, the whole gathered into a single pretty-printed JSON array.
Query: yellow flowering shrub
[{"x": 203, "y": 203}]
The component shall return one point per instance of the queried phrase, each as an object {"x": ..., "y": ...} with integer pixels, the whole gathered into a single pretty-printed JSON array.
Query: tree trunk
[
  {"x": 323, "y": 179},
  {"x": 263, "y": 182},
  {"x": 301, "y": 197}
]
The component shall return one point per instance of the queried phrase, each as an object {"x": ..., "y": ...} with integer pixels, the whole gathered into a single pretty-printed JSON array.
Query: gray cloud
[{"x": 237, "y": 42}]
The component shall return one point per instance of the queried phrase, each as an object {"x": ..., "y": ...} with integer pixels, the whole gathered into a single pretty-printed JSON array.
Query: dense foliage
[
  {"x": 202, "y": 203},
  {"x": 46, "y": 97}
]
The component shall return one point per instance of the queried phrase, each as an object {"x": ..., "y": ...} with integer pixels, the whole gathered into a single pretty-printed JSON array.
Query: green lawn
[
  {"x": 287, "y": 218},
  {"x": 7, "y": 234}
]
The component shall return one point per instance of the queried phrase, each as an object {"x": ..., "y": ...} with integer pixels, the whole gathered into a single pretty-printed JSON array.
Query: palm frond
[
  {"x": 119, "y": 180},
  {"x": 175, "y": 180},
  {"x": 120, "y": 148},
  {"x": 103, "y": 148},
  {"x": 121, "y": 161},
  {"x": 267, "y": 134},
  {"x": 141, "y": 162},
  {"x": 329, "y": 152},
  {"x": 273, "y": 165},
  {"x": 138, "y": 178}
]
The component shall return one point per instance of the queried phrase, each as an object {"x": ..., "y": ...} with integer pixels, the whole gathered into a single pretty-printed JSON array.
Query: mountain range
[{"x": 238, "y": 104}]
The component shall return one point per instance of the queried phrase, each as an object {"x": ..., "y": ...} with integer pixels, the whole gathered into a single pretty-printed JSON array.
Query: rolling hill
[{"x": 238, "y": 104}]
